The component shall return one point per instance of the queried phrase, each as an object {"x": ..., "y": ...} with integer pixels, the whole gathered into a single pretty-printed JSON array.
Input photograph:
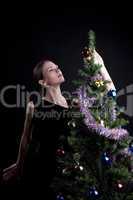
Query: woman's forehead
[{"x": 48, "y": 64}]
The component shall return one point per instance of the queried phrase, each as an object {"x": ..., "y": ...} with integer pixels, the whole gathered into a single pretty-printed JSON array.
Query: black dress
[{"x": 50, "y": 121}]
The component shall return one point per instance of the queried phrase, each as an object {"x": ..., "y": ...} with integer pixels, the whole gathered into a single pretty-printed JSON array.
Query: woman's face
[{"x": 52, "y": 74}]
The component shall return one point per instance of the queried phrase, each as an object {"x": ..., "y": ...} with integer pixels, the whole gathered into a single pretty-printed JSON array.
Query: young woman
[{"x": 36, "y": 164}]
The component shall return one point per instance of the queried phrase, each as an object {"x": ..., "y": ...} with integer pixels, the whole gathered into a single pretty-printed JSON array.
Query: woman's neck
[{"x": 53, "y": 94}]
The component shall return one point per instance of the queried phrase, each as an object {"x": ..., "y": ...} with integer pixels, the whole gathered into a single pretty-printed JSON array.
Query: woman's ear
[{"x": 42, "y": 82}]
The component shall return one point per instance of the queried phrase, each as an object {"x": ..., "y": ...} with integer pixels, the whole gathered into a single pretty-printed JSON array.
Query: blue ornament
[
  {"x": 106, "y": 159},
  {"x": 111, "y": 93},
  {"x": 59, "y": 197},
  {"x": 92, "y": 193},
  {"x": 131, "y": 147}
]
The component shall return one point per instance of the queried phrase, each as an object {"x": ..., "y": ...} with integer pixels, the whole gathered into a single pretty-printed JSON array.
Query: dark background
[{"x": 32, "y": 34}]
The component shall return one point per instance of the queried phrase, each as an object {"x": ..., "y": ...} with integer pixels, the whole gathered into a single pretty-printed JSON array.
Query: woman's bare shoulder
[{"x": 30, "y": 108}]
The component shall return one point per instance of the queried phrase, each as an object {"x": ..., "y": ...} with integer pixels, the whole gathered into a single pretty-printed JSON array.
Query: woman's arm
[
  {"x": 17, "y": 167},
  {"x": 103, "y": 71},
  {"x": 26, "y": 135}
]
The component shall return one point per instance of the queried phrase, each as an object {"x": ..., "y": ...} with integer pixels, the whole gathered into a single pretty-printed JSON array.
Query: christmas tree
[{"x": 98, "y": 160}]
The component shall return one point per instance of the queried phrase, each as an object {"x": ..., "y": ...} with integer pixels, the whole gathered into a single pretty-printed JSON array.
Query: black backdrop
[{"x": 33, "y": 34}]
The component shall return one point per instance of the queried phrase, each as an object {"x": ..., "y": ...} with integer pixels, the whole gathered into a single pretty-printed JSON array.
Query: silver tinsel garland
[{"x": 86, "y": 102}]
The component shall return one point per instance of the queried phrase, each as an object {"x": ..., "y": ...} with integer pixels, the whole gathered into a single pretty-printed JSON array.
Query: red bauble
[{"x": 60, "y": 152}]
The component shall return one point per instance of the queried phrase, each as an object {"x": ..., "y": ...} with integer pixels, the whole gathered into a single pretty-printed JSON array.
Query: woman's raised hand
[{"x": 97, "y": 58}]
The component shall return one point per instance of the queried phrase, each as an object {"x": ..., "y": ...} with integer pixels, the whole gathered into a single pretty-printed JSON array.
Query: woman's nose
[{"x": 59, "y": 73}]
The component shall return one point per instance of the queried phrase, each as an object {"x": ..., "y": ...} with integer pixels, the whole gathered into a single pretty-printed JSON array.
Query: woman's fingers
[
  {"x": 9, "y": 168},
  {"x": 10, "y": 172}
]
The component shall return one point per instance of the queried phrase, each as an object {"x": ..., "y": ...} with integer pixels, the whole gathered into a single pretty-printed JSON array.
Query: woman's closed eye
[{"x": 53, "y": 69}]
